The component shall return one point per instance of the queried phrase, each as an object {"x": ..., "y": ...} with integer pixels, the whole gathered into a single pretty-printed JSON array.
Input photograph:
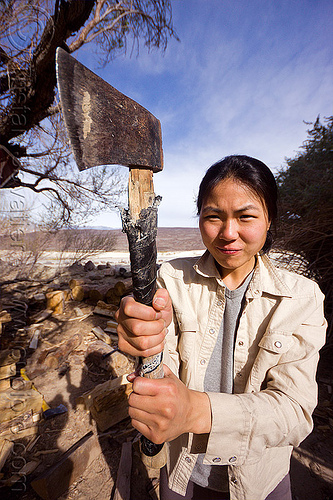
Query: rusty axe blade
[{"x": 104, "y": 126}]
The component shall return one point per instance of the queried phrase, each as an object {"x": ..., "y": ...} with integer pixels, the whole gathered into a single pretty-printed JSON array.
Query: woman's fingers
[
  {"x": 162, "y": 409},
  {"x": 153, "y": 406},
  {"x": 129, "y": 308},
  {"x": 142, "y": 329},
  {"x": 151, "y": 423},
  {"x": 143, "y": 346}
]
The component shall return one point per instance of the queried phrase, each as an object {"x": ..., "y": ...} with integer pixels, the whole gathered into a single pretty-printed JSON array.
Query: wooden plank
[
  {"x": 87, "y": 398},
  {"x": 53, "y": 482},
  {"x": 7, "y": 371},
  {"x": 5, "y": 384},
  {"x": 111, "y": 409},
  {"x": 123, "y": 482},
  {"x": 104, "y": 309},
  {"x": 6, "y": 447},
  {"x": 108, "y": 402},
  {"x": 60, "y": 355},
  {"x": 101, "y": 335},
  {"x": 12, "y": 429},
  {"x": 14, "y": 403},
  {"x": 27, "y": 469},
  {"x": 52, "y": 358},
  {"x": 9, "y": 356},
  {"x": 42, "y": 316}
]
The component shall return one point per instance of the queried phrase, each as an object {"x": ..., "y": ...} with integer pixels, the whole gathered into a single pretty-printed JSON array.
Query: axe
[{"x": 105, "y": 127}]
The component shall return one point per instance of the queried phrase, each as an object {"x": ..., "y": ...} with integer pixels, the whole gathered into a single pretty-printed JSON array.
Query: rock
[
  {"x": 110, "y": 271},
  {"x": 76, "y": 267},
  {"x": 122, "y": 272},
  {"x": 89, "y": 266}
]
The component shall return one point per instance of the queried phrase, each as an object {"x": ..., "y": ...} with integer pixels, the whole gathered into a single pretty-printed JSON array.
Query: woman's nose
[{"x": 228, "y": 230}]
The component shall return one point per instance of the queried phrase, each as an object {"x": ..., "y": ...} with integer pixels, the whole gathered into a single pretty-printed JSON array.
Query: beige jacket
[{"x": 280, "y": 332}]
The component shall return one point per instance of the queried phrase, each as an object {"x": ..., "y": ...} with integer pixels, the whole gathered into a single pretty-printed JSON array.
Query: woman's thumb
[{"x": 161, "y": 299}]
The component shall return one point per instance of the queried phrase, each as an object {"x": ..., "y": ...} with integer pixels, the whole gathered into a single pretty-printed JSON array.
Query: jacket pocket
[
  {"x": 270, "y": 349},
  {"x": 187, "y": 337},
  {"x": 276, "y": 342}
]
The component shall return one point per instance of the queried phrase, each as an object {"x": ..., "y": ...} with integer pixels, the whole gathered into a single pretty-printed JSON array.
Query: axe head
[{"x": 104, "y": 126}]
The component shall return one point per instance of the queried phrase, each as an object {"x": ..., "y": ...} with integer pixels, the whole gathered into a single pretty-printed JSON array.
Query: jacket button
[
  {"x": 212, "y": 331},
  {"x": 233, "y": 480},
  {"x": 232, "y": 460},
  {"x": 240, "y": 343},
  {"x": 278, "y": 344},
  {"x": 188, "y": 460},
  {"x": 202, "y": 361},
  {"x": 216, "y": 460}
]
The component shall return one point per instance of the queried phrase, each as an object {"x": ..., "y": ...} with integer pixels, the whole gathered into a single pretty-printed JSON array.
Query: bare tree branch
[{"x": 31, "y": 126}]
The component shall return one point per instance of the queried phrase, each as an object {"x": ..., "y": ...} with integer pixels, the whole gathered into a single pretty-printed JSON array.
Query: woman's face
[{"x": 233, "y": 223}]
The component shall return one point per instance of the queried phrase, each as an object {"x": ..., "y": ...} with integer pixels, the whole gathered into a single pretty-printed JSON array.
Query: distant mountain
[
  {"x": 169, "y": 239},
  {"x": 100, "y": 228}
]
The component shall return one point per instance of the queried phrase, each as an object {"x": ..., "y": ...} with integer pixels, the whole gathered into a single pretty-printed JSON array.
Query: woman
[{"x": 240, "y": 340}]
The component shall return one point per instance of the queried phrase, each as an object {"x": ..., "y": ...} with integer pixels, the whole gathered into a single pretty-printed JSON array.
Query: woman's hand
[
  {"x": 142, "y": 329},
  {"x": 162, "y": 409}
]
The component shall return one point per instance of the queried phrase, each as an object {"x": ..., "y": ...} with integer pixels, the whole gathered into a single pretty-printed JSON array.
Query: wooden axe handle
[{"x": 140, "y": 225}]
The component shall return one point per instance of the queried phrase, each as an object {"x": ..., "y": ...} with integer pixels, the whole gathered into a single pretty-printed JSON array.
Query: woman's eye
[
  {"x": 212, "y": 217},
  {"x": 247, "y": 217}
]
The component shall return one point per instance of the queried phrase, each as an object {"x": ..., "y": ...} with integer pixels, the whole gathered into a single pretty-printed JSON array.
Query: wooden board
[
  {"x": 105, "y": 309},
  {"x": 9, "y": 356},
  {"x": 123, "y": 483},
  {"x": 6, "y": 447},
  {"x": 12, "y": 429},
  {"x": 7, "y": 371},
  {"x": 52, "y": 483},
  {"x": 108, "y": 402},
  {"x": 14, "y": 403}
]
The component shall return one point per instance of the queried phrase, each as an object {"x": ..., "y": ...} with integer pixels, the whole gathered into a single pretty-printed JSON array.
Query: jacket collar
[
  {"x": 205, "y": 266},
  {"x": 265, "y": 277}
]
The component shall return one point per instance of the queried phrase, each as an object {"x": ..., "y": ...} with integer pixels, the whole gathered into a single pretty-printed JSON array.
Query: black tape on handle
[
  {"x": 149, "y": 448},
  {"x": 141, "y": 235}
]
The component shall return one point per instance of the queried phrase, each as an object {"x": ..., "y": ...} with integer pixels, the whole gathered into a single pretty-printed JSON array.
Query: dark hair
[{"x": 249, "y": 171}]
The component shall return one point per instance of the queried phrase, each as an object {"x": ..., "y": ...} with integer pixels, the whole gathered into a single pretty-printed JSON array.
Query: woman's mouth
[{"x": 229, "y": 251}]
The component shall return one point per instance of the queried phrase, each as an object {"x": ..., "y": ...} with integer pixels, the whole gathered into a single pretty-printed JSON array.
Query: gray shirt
[{"x": 219, "y": 378}]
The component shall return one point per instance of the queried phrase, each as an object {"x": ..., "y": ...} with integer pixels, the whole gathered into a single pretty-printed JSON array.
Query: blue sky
[{"x": 243, "y": 79}]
